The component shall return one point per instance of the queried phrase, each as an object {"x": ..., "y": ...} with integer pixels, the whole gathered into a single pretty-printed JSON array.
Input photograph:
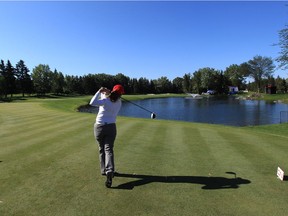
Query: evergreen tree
[
  {"x": 9, "y": 79},
  {"x": 2, "y": 79},
  {"x": 23, "y": 77}
]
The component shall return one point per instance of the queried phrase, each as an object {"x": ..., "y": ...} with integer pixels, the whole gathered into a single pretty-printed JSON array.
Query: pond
[{"x": 213, "y": 110}]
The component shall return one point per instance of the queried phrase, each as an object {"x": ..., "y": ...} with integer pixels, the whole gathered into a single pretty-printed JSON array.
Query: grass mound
[{"x": 49, "y": 165}]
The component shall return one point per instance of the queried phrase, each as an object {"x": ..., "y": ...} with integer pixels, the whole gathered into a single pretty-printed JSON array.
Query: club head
[{"x": 153, "y": 115}]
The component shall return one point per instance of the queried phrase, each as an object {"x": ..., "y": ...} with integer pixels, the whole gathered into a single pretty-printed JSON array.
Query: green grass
[
  {"x": 49, "y": 165},
  {"x": 279, "y": 97},
  {"x": 276, "y": 97}
]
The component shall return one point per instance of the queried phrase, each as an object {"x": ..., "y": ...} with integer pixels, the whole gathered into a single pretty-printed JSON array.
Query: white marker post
[{"x": 280, "y": 173}]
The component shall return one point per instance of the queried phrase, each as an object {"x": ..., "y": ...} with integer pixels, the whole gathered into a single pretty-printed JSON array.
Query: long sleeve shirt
[{"x": 108, "y": 110}]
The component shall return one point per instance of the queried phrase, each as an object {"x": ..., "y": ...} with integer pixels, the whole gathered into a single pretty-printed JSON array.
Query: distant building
[
  {"x": 233, "y": 89},
  {"x": 269, "y": 89},
  {"x": 211, "y": 92}
]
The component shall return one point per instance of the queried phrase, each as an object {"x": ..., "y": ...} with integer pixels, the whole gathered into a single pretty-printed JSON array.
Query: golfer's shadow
[{"x": 209, "y": 183}]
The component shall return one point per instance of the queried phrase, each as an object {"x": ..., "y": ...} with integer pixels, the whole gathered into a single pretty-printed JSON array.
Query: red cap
[{"x": 119, "y": 89}]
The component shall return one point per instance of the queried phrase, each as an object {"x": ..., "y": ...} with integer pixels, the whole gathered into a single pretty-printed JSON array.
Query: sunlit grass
[{"x": 49, "y": 165}]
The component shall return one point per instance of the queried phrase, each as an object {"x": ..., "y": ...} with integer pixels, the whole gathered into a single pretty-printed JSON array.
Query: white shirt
[{"x": 108, "y": 110}]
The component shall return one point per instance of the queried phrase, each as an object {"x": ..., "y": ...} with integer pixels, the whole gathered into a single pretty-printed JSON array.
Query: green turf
[{"x": 49, "y": 165}]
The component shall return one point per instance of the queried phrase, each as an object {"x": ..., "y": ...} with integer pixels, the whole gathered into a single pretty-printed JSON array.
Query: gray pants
[{"x": 105, "y": 136}]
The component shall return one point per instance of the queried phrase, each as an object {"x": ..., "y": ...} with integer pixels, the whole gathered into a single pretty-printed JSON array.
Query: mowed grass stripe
[
  {"x": 264, "y": 158},
  {"x": 39, "y": 133},
  {"x": 273, "y": 147},
  {"x": 220, "y": 155},
  {"x": 55, "y": 182},
  {"x": 194, "y": 145},
  {"x": 44, "y": 146},
  {"x": 33, "y": 162},
  {"x": 35, "y": 121},
  {"x": 136, "y": 144},
  {"x": 179, "y": 148},
  {"x": 172, "y": 155},
  {"x": 17, "y": 127},
  {"x": 255, "y": 158},
  {"x": 41, "y": 149},
  {"x": 263, "y": 151},
  {"x": 160, "y": 145},
  {"x": 26, "y": 119},
  {"x": 218, "y": 150}
]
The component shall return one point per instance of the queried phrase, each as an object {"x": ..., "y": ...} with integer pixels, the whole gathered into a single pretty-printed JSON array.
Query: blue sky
[{"x": 140, "y": 39}]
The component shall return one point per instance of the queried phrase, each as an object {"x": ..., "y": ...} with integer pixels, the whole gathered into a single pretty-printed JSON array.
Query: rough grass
[{"x": 49, "y": 165}]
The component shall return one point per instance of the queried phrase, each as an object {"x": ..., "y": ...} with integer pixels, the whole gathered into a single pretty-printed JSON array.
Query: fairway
[{"x": 49, "y": 166}]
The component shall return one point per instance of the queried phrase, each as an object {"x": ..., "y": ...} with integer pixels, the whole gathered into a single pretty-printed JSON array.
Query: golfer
[{"x": 109, "y": 104}]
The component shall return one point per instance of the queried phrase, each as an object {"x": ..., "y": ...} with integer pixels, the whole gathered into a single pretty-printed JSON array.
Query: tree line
[{"x": 18, "y": 79}]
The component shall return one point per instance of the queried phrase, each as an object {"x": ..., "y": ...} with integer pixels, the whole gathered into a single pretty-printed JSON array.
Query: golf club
[{"x": 153, "y": 115}]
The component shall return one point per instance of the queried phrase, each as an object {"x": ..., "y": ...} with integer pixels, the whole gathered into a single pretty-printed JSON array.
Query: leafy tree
[
  {"x": 220, "y": 83},
  {"x": 23, "y": 77},
  {"x": 152, "y": 86},
  {"x": 57, "y": 83},
  {"x": 187, "y": 83},
  {"x": 163, "y": 85},
  {"x": 281, "y": 84},
  {"x": 260, "y": 67},
  {"x": 207, "y": 78},
  {"x": 42, "y": 78},
  {"x": 105, "y": 80},
  {"x": 90, "y": 84},
  {"x": 271, "y": 81},
  {"x": 73, "y": 84},
  {"x": 133, "y": 85},
  {"x": 123, "y": 80},
  {"x": 283, "y": 43},
  {"x": 235, "y": 75},
  {"x": 177, "y": 84},
  {"x": 197, "y": 84},
  {"x": 144, "y": 86}
]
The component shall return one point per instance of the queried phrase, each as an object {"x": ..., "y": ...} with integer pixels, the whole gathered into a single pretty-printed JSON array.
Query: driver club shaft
[{"x": 137, "y": 105}]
